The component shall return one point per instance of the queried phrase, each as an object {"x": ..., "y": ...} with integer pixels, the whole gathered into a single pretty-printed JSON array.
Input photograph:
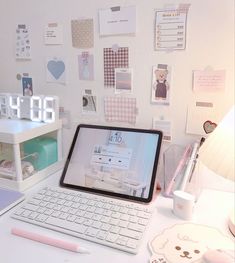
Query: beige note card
[{"x": 82, "y": 33}]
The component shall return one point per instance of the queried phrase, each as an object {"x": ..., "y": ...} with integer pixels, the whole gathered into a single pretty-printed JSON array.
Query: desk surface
[{"x": 211, "y": 209}]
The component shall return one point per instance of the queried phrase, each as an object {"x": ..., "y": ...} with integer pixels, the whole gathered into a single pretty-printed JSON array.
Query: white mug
[{"x": 183, "y": 204}]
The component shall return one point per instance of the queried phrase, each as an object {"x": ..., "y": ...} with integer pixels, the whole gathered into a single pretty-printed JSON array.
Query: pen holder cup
[
  {"x": 194, "y": 185},
  {"x": 175, "y": 163},
  {"x": 171, "y": 161}
]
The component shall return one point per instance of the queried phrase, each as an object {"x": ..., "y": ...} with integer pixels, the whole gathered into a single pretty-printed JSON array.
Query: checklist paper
[{"x": 170, "y": 29}]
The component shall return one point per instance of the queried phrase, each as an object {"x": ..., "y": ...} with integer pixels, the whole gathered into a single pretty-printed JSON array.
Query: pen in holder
[
  {"x": 175, "y": 159},
  {"x": 181, "y": 170},
  {"x": 193, "y": 180}
]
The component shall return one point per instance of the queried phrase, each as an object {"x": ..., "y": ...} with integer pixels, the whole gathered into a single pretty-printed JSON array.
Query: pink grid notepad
[
  {"x": 120, "y": 109},
  {"x": 114, "y": 59}
]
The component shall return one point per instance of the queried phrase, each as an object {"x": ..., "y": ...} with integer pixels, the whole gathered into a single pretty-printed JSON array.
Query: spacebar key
[
  {"x": 130, "y": 233},
  {"x": 66, "y": 225}
]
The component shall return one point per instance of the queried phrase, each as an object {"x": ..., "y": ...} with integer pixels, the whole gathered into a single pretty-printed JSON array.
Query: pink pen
[
  {"x": 48, "y": 240},
  {"x": 179, "y": 167}
]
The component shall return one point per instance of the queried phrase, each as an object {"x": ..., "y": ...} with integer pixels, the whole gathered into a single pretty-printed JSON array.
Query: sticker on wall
[
  {"x": 23, "y": 43},
  {"x": 55, "y": 70},
  {"x": 116, "y": 57},
  {"x": 209, "y": 80},
  {"x": 123, "y": 80},
  {"x": 82, "y": 33},
  {"x": 120, "y": 109},
  {"x": 164, "y": 126},
  {"x": 161, "y": 76},
  {"x": 53, "y": 34},
  {"x": 209, "y": 126},
  {"x": 89, "y": 102},
  {"x": 86, "y": 66},
  {"x": 27, "y": 86}
]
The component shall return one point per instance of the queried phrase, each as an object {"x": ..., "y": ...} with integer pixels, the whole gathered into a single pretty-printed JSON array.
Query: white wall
[{"x": 210, "y": 42}]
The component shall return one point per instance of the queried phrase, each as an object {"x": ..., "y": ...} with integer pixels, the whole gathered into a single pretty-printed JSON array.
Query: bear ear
[{"x": 158, "y": 244}]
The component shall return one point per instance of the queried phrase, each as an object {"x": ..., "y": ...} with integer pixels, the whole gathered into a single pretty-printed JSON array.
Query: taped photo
[
  {"x": 123, "y": 80},
  {"x": 89, "y": 103}
]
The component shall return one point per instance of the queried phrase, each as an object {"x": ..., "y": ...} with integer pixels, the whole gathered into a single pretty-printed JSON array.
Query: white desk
[{"x": 212, "y": 209}]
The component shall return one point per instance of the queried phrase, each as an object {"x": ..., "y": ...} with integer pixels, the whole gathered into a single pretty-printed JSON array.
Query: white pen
[
  {"x": 49, "y": 240},
  {"x": 189, "y": 166}
]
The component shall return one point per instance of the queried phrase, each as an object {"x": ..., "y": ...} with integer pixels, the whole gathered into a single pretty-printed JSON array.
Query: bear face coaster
[{"x": 186, "y": 243}]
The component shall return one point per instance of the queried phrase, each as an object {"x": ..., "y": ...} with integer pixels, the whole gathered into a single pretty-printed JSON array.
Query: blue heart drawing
[{"x": 56, "y": 68}]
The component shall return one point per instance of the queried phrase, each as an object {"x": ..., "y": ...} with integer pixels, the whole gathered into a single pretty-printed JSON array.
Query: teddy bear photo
[{"x": 160, "y": 84}]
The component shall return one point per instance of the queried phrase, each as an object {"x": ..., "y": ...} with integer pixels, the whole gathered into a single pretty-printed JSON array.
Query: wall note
[
  {"x": 209, "y": 80},
  {"x": 53, "y": 34},
  {"x": 117, "y": 20}
]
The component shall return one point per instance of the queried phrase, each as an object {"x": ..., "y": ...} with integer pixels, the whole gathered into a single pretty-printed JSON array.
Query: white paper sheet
[
  {"x": 117, "y": 20},
  {"x": 53, "y": 34},
  {"x": 197, "y": 117}
]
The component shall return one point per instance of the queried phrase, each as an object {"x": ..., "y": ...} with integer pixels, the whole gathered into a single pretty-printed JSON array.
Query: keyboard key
[
  {"x": 88, "y": 222},
  {"x": 125, "y": 217},
  {"x": 41, "y": 218},
  {"x": 115, "y": 229},
  {"x": 105, "y": 227},
  {"x": 132, "y": 243},
  {"x": 71, "y": 218},
  {"x": 130, "y": 233},
  {"x": 102, "y": 235},
  {"x": 97, "y": 224},
  {"x": 63, "y": 215},
  {"x": 122, "y": 241},
  {"x": 30, "y": 207},
  {"x": 123, "y": 223},
  {"x": 136, "y": 227},
  {"x": 66, "y": 225},
  {"x": 26, "y": 213},
  {"x": 91, "y": 231},
  {"x": 143, "y": 214},
  {"x": 33, "y": 215},
  {"x": 111, "y": 237},
  {"x": 143, "y": 221},
  {"x": 80, "y": 220}
]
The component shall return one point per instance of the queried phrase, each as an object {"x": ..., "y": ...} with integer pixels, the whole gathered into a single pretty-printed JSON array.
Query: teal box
[{"x": 41, "y": 152}]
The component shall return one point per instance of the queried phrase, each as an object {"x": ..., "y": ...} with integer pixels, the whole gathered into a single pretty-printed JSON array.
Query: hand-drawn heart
[
  {"x": 56, "y": 68},
  {"x": 209, "y": 126}
]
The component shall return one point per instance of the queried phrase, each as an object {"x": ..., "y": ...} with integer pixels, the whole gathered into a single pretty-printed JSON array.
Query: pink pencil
[{"x": 48, "y": 240}]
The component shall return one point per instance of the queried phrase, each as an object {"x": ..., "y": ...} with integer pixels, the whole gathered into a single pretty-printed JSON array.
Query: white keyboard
[{"x": 115, "y": 223}]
